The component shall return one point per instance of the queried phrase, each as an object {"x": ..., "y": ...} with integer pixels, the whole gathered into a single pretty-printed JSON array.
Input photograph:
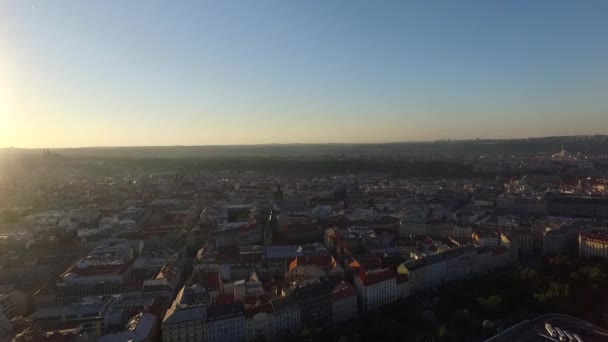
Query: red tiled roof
[
  {"x": 254, "y": 310},
  {"x": 225, "y": 299},
  {"x": 211, "y": 281},
  {"x": 595, "y": 235},
  {"x": 343, "y": 290},
  {"x": 371, "y": 263},
  {"x": 325, "y": 262},
  {"x": 373, "y": 278}
]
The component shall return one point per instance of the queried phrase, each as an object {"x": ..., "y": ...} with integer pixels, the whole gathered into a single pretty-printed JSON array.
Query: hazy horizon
[
  {"x": 270, "y": 144},
  {"x": 212, "y": 73}
]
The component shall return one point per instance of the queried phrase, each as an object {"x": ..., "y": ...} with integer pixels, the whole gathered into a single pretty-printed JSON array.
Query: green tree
[
  {"x": 528, "y": 274},
  {"x": 443, "y": 331},
  {"x": 491, "y": 305}
]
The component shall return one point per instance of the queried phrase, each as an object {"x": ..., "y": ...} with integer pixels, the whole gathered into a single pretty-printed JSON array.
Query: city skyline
[{"x": 75, "y": 74}]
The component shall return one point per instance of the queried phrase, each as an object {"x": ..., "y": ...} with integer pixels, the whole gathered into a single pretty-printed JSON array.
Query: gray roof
[{"x": 185, "y": 314}]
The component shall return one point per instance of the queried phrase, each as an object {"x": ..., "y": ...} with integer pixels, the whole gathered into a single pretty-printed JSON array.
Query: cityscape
[
  {"x": 303, "y": 171},
  {"x": 326, "y": 246}
]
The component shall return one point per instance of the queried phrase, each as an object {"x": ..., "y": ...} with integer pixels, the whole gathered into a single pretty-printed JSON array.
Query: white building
[
  {"x": 258, "y": 323},
  {"x": 140, "y": 328},
  {"x": 94, "y": 314},
  {"x": 487, "y": 238},
  {"x": 184, "y": 323},
  {"x": 560, "y": 241},
  {"x": 226, "y": 323},
  {"x": 376, "y": 288},
  {"x": 285, "y": 318},
  {"x": 593, "y": 243},
  {"x": 343, "y": 303}
]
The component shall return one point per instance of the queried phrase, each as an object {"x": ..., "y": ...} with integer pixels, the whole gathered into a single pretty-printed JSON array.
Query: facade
[
  {"x": 315, "y": 304},
  {"x": 141, "y": 328},
  {"x": 116, "y": 249},
  {"x": 560, "y": 241},
  {"x": 520, "y": 243},
  {"x": 226, "y": 323},
  {"x": 285, "y": 319},
  {"x": 12, "y": 304},
  {"x": 314, "y": 268},
  {"x": 522, "y": 205},
  {"x": 524, "y": 242},
  {"x": 439, "y": 269},
  {"x": 593, "y": 243},
  {"x": 343, "y": 303},
  {"x": 403, "y": 286},
  {"x": 185, "y": 323},
  {"x": 414, "y": 224},
  {"x": 167, "y": 282},
  {"x": 487, "y": 238},
  {"x": 577, "y": 206},
  {"x": 94, "y": 314},
  {"x": 376, "y": 288},
  {"x": 456, "y": 231},
  {"x": 258, "y": 322}
]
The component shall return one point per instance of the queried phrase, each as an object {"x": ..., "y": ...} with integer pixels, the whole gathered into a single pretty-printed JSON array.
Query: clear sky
[{"x": 125, "y": 72}]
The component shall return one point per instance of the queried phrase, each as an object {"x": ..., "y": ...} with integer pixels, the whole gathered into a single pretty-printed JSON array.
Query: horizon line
[{"x": 301, "y": 143}]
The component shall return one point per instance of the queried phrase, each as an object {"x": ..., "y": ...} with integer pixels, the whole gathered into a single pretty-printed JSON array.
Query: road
[{"x": 529, "y": 330}]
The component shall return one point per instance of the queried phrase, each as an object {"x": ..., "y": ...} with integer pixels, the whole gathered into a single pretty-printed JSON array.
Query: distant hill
[{"x": 531, "y": 146}]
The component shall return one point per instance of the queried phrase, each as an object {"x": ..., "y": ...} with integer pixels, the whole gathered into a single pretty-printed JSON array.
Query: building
[
  {"x": 577, "y": 206},
  {"x": 94, "y": 314},
  {"x": 486, "y": 238},
  {"x": 375, "y": 287},
  {"x": 560, "y": 241},
  {"x": 12, "y": 303},
  {"x": 113, "y": 249},
  {"x": 303, "y": 233},
  {"x": 343, "y": 303},
  {"x": 6, "y": 328},
  {"x": 501, "y": 257},
  {"x": 403, "y": 286},
  {"x": 258, "y": 322},
  {"x": 520, "y": 241},
  {"x": 315, "y": 303},
  {"x": 414, "y": 224},
  {"x": 226, "y": 323},
  {"x": 522, "y": 205},
  {"x": 92, "y": 273},
  {"x": 141, "y": 328},
  {"x": 185, "y": 323},
  {"x": 456, "y": 231},
  {"x": 167, "y": 282},
  {"x": 593, "y": 243},
  {"x": 314, "y": 267},
  {"x": 285, "y": 319},
  {"x": 442, "y": 268}
]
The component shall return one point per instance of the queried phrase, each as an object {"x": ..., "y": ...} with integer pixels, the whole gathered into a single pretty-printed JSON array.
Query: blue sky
[{"x": 87, "y": 73}]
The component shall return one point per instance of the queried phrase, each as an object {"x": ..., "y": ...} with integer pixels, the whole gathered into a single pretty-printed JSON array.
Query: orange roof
[
  {"x": 373, "y": 278},
  {"x": 326, "y": 262}
]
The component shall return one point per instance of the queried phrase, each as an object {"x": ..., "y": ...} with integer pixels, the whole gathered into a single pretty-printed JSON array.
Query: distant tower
[
  {"x": 278, "y": 195},
  {"x": 267, "y": 237},
  {"x": 270, "y": 228}
]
